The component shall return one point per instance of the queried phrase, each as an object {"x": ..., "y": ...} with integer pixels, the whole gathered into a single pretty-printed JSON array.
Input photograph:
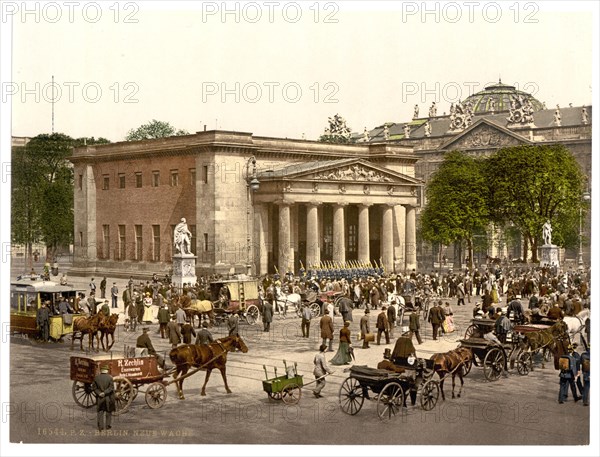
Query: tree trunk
[
  {"x": 534, "y": 256},
  {"x": 457, "y": 255},
  {"x": 525, "y": 249},
  {"x": 470, "y": 254}
]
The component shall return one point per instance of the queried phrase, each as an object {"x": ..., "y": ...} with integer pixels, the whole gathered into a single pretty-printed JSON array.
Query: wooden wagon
[
  {"x": 130, "y": 374},
  {"x": 391, "y": 388},
  {"x": 242, "y": 297}
]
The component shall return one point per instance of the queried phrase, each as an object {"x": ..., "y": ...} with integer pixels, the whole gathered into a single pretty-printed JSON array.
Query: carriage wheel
[
  {"x": 466, "y": 367},
  {"x": 123, "y": 395},
  {"x": 156, "y": 395},
  {"x": 83, "y": 394},
  {"x": 390, "y": 401},
  {"x": 291, "y": 394},
  {"x": 315, "y": 310},
  {"x": 524, "y": 363},
  {"x": 493, "y": 364},
  {"x": 429, "y": 395},
  {"x": 252, "y": 314},
  {"x": 274, "y": 395},
  {"x": 472, "y": 332},
  {"x": 351, "y": 396}
]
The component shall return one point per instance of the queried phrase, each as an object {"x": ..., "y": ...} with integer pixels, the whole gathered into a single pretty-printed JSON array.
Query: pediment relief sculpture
[{"x": 353, "y": 173}]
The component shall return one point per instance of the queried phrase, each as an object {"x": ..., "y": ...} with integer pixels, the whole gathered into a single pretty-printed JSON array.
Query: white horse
[
  {"x": 576, "y": 324},
  {"x": 285, "y": 300}
]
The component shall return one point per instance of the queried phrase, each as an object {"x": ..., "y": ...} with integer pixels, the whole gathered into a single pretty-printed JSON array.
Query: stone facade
[{"x": 316, "y": 202}]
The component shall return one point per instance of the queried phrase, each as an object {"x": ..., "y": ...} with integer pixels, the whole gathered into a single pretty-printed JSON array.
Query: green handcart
[{"x": 287, "y": 388}]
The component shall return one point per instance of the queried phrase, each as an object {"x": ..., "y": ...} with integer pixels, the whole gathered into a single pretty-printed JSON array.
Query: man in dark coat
[
  {"x": 326, "y": 325},
  {"x": 267, "y": 315},
  {"x": 163, "y": 319},
  {"x": 233, "y": 324},
  {"x": 436, "y": 317},
  {"x": 187, "y": 331},
  {"x": 382, "y": 326},
  {"x": 364, "y": 328},
  {"x": 204, "y": 336},
  {"x": 93, "y": 304},
  {"x": 43, "y": 322},
  {"x": 173, "y": 332},
  {"x": 414, "y": 325},
  {"x": 104, "y": 389},
  {"x": 102, "y": 288},
  {"x": 391, "y": 317}
]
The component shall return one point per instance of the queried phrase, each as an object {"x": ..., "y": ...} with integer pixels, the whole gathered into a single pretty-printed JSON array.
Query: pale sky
[{"x": 271, "y": 76}]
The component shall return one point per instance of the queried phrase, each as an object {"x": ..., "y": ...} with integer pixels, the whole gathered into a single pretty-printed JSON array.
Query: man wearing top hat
[
  {"x": 364, "y": 328},
  {"x": 104, "y": 389}
]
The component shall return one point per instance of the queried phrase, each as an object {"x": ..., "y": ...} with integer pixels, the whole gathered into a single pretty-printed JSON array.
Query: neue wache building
[{"x": 256, "y": 204}]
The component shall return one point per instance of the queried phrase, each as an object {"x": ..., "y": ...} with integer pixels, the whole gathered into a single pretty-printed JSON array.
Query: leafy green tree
[
  {"x": 456, "y": 208},
  {"x": 154, "y": 129},
  {"x": 529, "y": 185}
]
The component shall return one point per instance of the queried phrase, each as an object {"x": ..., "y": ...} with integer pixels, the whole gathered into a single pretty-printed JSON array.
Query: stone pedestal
[
  {"x": 549, "y": 255},
  {"x": 184, "y": 270}
]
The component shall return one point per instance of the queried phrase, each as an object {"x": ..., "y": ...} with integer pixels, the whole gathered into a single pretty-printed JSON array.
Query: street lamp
[
  {"x": 252, "y": 185},
  {"x": 585, "y": 198}
]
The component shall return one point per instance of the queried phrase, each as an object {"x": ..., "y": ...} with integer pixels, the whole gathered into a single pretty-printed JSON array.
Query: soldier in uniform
[
  {"x": 585, "y": 370},
  {"x": 569, "y": 370}
]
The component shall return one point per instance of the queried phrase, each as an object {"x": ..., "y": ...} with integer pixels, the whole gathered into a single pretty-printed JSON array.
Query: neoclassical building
[
  {"x": 256, "y": 204},
  {"x": 496, "y": 117},
  {"x": 252, "y": 204}
]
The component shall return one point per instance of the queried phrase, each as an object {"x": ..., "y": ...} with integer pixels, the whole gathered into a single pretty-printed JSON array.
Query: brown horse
[
  {"x": 107, "y": 327},
  {"x": 204, "y": 356},
  {"x": 86, "y": 326},
  {"x": 548, "y": 339},
  {"x": 195, "y": 307},
  {"x": 454, "y": 362}
]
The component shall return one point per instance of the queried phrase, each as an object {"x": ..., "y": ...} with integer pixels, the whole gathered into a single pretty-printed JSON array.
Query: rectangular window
[
  {"x": 80, "y": 182},
  {"x": 205, "y": 174},
  {"x": 106, "y": 241},
  {"x": 192, "y": 176},
  {"x": 122, "y": 247},
  {"x": 139, "y": 253},
  {"x": 121, "y": 180},
  {"x": 105, "y": 182},
  {"x": 193, "y": 243},
  {"x": 156, "y": 243},
  {"x": 206, "y": 242},
  {"x": 155, "y": 178},
  {"x": 138, "y": 179},
  {"x": 174, "y": 178}
]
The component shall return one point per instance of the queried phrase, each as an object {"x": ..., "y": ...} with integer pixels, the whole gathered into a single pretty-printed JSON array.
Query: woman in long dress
[
  {"x": 343, "y": 357},
  {"x": 148, "y": 314}
]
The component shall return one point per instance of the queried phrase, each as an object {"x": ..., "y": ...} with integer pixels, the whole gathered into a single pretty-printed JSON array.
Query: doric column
[
  {"x": 339, "y": 234},
  {"x": 286, "y": 260},
  {"x": 363, "y": 234},
  {"x": 261, "y": 215},
  {"x": 313, "y": 249},
  {"x": 387, "y": 238},
  {"x": 400, "y": 237},
  {"x": 411, "y": 238}
]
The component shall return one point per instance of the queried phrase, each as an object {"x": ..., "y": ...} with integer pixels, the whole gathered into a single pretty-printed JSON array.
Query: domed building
[
  {"x": 497, "y": 98},
  {"x": 496, "y": 117}
]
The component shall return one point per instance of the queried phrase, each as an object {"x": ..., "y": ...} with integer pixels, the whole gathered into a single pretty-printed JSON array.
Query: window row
[
  {"x": 134, "y": 245},
  {"x": 155, "y": 179}
]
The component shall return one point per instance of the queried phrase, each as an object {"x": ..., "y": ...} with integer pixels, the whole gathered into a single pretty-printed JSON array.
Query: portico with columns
[{"x": 340, "y": 211}]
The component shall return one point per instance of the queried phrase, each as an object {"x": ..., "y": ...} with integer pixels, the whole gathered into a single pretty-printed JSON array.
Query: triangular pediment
[
  {"x": 343, "y": 170},
  {"x": 482, "y": 135}
]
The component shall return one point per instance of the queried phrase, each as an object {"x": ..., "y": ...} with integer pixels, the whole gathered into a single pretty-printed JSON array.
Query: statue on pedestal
[
  {"x": 547, "y": 233},
  {"x": 182, "y": 238},
  {"x": 585, "y": 119},
  {"x": 427, "y": 129},
  {"x": 416, "y": 112},
  {"x": 386, "y": 132}
]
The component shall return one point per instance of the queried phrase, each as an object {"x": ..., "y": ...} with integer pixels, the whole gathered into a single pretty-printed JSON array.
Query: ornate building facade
[
  {"x": 496, "y": 117},
  {"x": 253, "y": 204}
]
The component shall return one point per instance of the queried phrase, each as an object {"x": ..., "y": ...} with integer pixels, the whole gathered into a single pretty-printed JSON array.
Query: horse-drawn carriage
[
  {"x": 236, "y": 295},
  {"x": 129, "y": 373},
  {"x": 27, "y": 296}
]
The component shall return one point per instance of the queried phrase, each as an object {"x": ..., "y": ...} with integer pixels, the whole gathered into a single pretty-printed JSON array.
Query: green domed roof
[{"x": 501, "y": 94}]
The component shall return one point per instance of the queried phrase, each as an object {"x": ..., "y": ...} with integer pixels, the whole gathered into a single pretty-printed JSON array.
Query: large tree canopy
[
  {"x": 42, "y": 191},
  {"x": 456, "y": 207},
  {"x": 154, "y": 129},
  {"x": 529, "y": 185}
]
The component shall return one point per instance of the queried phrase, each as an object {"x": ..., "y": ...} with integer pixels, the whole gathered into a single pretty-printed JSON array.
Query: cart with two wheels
[{"x": 287, "y": 388}]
